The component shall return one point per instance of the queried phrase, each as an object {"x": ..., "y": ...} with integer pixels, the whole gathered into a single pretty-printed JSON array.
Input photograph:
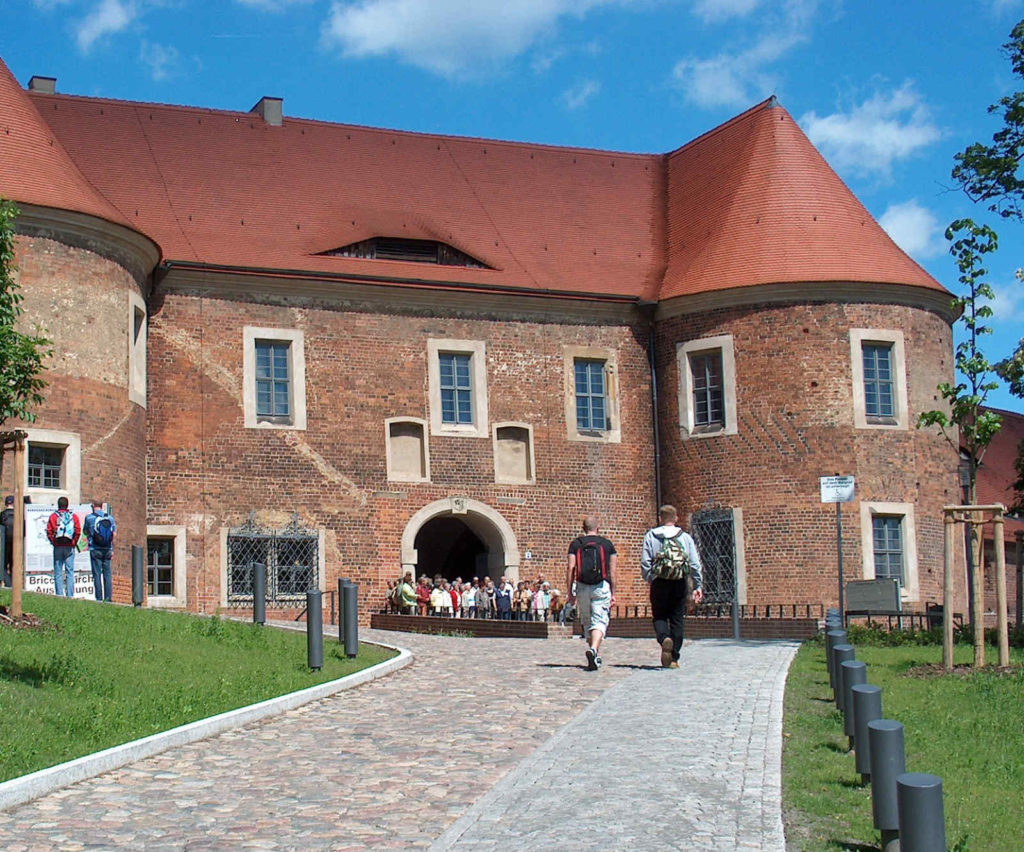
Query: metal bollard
[
  {"x": 351, "y": 625},
  {"x": 138, "y": 574},
  {"x": 840, "y": 654},
  {"x": 867, "y": 706},
  {"x": 922, "y": 822},
  {"x": 833, "y": 638},
  {"x": 854, "y": 673},
  {"x": 314, "y": 630},
  {"x": 341, "y": 609},
  {"x": 888, "y": 762},
  {"x": 259, "y": 593}
]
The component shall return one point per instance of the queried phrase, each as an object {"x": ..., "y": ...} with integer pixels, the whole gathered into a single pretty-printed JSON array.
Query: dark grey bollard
[
  {"x": 351, "y": 625},
  {"x": 833, "y": 638},
  {"x": 138, "y": 574},
  {"x": 341, "y": 609},
  {"x": 840, "y": 654},
  {"x": 922, "y": 822},
  {"x": 259, "y": 593},
  {"x": 314, "y": 630},
  {"x": 867, "y": 706},
  {"x": 888, "y": 762},
  {"x": 854, "y": 673}
]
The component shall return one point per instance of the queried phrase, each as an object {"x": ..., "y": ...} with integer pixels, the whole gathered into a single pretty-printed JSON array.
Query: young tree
[{"x": 21, "y": 355}]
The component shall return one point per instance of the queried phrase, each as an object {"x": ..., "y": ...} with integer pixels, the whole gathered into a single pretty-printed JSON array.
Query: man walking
[
  {"x": 669, "y": 558},
  {"x": 592, "y": 561},
  {"x": 7, "y": 521},
  {"x": 63, "y": 529},
  {"x": 99, "y": 530}
]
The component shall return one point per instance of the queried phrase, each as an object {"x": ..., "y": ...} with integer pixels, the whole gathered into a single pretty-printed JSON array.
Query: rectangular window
[
  {"x": 273, "y": 382},
  {"x": 708, "y": 390},
  {"x": 291, "y": 557},
  {"x": 160, "y": 565},
  {"x": 591, "y": 398},
  {"x": 878, "y": 382},
  {"x": 45, "y": 466},
  {"x": 888, "y": 547},
  {"x": 456, "y": 388}
]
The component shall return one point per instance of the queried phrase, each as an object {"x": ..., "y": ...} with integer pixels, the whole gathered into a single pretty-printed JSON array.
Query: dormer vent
[
  {"x": 271, "y": 110},
  {"x": 46, "y": 85},
  {"x": 410, "y": 251}
]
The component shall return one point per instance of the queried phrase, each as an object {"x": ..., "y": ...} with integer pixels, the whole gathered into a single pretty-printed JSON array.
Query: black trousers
[{"x": 668, "y": 608}]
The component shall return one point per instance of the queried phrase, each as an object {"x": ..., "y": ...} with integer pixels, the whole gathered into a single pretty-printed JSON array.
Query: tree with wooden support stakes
[{"x": 22, "y": 357}]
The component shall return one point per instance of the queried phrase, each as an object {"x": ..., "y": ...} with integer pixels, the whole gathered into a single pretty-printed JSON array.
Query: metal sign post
[{"x": 838, "y": 490}]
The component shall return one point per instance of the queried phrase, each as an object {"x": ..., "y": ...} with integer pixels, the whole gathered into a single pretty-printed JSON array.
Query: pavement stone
[{"x": 478, "y": 744}]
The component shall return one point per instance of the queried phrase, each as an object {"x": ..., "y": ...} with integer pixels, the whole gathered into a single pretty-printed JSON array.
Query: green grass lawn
[
  {"x": 104, "y": 675},
  {"x": 967, "y": 730}
]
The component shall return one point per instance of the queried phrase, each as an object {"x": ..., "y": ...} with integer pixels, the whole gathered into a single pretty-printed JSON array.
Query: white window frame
[
  {"x": 177, "y": 600},
  {"x": 910, "y": 590},
  {"x": 885, "y": 337},
  {"x": 476, "y": 350},
  {"x": 297, "y": 375},
  {"x": 612, "y": 434},
  {"x": 511, "y": 480},
  {"x": 687, "y": 425},
  {"x": 398, "y": 476},
  {"x": 71, "y": 474},
  {"x": 137, "y": 346}
]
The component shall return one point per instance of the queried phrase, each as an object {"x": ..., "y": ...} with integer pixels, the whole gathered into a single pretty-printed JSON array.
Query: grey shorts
[{"x": 594, "y": 603}]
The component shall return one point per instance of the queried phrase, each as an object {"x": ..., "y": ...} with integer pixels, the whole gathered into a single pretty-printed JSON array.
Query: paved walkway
[{"x": 480, "y": 744}]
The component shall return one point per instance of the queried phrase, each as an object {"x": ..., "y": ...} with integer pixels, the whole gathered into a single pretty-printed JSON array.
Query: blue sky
[{"x": 888, "y": 91}]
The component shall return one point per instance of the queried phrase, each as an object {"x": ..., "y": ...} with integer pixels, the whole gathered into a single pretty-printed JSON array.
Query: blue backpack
[
  {"x": 65, "y": 525},
  {"x": 102, "y": 532}
]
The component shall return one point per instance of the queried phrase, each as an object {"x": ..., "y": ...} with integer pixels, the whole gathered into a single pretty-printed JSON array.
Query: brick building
[{"x": 344, "y": 350}]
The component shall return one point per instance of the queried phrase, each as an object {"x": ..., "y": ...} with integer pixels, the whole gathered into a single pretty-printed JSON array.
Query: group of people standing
[
  {"x": 68, "y": 534},
  {"x": 525, "y": 601}
]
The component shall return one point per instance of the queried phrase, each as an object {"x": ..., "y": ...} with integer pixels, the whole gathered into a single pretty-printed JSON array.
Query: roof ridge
[{"x": 771, "y": 102}]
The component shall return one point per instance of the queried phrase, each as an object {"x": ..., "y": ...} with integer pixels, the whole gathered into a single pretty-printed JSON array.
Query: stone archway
[{"x": 486, "y": 525}]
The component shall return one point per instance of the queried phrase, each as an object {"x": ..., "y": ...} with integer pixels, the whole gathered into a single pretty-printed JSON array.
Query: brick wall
[{"x": 80, "y": 299}]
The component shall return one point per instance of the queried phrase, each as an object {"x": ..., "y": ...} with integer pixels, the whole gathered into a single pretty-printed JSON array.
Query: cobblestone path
[{"x": 413, "y": 760}]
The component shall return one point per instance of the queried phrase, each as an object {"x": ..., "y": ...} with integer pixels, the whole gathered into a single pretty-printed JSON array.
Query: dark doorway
[{"x": 447, "y": 546}]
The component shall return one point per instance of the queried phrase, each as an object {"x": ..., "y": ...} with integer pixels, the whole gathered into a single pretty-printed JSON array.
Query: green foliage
[
  {"x": 109, "y": 674},
  {"x": 967, "y": 422},
  {"x": 21, "y": 355},
  {"x": 875, "y": 635},
  {"x": 964, "y": 728}
]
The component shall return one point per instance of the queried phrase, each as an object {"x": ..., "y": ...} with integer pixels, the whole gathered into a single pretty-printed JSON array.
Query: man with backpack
[
  {"x": 592, "y": 561},
  {"x": 671, "y": 564},
  {"x": 99, "y": 530},
  {"x": 63, "y": 529}
]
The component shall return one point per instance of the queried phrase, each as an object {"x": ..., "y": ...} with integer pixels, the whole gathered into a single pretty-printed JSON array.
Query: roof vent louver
[
  {"x": 271, "y": 110},
  {"x": 410, "y": 251}
]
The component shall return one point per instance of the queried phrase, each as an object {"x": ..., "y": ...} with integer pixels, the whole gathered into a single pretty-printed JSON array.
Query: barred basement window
[{"x": 291, "y": 555}]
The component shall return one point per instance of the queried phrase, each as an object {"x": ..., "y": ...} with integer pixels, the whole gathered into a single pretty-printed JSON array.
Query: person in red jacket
[{"x": 63, "y": 529}]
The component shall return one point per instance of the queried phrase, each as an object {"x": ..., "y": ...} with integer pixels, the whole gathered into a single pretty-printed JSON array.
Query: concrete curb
[{"x": 17, "y": 791}]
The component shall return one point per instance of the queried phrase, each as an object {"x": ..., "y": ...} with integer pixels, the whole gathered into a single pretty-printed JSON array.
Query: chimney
[
  {"x": 271, "y": 110},
  {"x": 46, "y": 85}
]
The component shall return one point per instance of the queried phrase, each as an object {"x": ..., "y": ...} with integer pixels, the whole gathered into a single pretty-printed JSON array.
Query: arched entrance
[{"x": 459, "y": 537}]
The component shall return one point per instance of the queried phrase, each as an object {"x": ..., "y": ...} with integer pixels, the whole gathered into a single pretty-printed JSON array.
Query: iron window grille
[
  {"x": 45, "y": 466},
  {"x": 456, "y": 388},
  {"x": 888, "y": 546},
  {"x": 714, "y": 534},
  {"x": 591, "y": 399},
  {"x": 291, "y": 555},
  {"x": 878, "y": 383},
  {"x": 708, "y": 390}
]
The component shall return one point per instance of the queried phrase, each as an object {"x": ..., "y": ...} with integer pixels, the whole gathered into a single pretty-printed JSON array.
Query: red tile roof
[
  {"x": 34, "y": 167},
  {"x": 753, "y": 202},
  {"x": 997, "y": 472}
]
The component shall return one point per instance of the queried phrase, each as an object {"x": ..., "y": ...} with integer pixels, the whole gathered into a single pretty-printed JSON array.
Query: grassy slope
[
  {"x": 110, "y": 674},
  {"x": 967, "y": 730}
]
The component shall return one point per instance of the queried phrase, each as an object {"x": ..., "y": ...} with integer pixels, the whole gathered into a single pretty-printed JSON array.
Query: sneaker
[
  {"x": 593, "y": 661},
  {"x": 666, "y": 652},
  {"x": 674, "y": 664},
  {"x": 597, "y": 661}
]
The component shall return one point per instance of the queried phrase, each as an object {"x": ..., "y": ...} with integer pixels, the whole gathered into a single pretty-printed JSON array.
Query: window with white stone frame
[
  {"x": 165, "y": 566},
  {"x": 889, "y": 545},
  {"x": 457, "y": 387},
  {"x": 707, "y": 387},
  {"x": 878, "y": 366},
  {"x": 591, "y": 383},
  {"x": 53, "y": 466},
  {"x": 137, "y": 334},
  {"x": 274, "y": 378}
]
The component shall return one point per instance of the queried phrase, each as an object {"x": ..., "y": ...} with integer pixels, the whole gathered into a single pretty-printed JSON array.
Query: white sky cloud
[
  {"x": 739, "y": 78},
  {"x": 447, "y": 37},
  {"x": 162, "y": 60},
  {"x": 107, "y": 17},
  {"x": 873, "y": 135},
  {"x": 272, "y": 5},
  {"x": 578, "y": 95},
  {"x": 914, "y": 228},
  {"x": 720, "y": 10},
  {"x": 1008, "y": 305}
]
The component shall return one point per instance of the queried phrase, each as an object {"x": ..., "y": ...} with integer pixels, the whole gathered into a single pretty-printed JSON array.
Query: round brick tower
[{"x": 84, "y": 273}]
